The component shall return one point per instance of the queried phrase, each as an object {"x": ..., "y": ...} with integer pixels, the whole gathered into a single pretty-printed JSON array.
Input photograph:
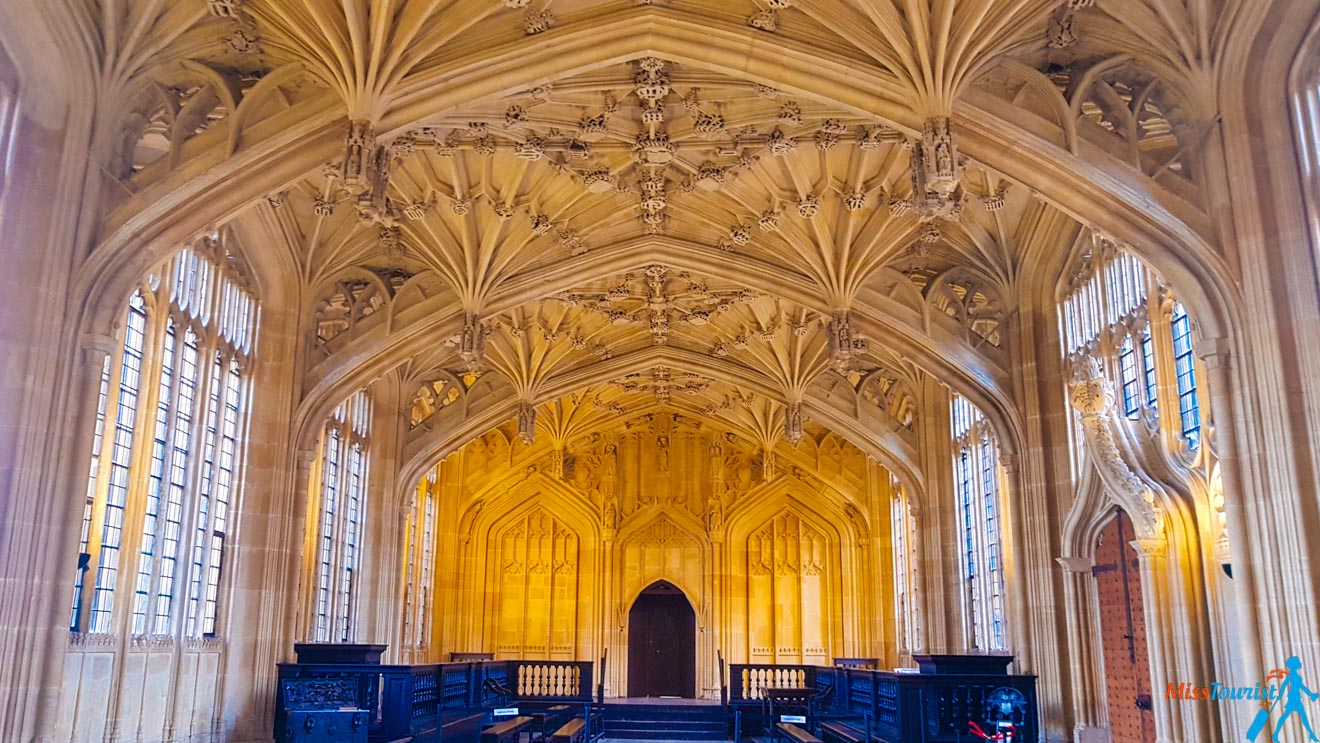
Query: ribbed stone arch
[
  {"x": 940, "y": 352},
  {"x": 1098, "y": 192},
  {"x": 890, "y": 450}
]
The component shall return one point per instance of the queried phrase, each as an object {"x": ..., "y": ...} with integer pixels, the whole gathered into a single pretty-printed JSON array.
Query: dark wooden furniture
[
  {"x": 470, "y": 657},
  {"x": 791, "y": 701},
  {"x": 987, "y": 665},
  {"x": 581, "y": 729},
  {"x": 794, "y": 733},
  {"x": 322, "y": 711},
  {"x": 445, "y": 702},
  {"x": 573, "y": 731},
  {"x": 339, "y": 652},
  {"x": 839, "y": 731},
  {"x": 549, "y": 719},
  {"x": 512, "y": 729}
]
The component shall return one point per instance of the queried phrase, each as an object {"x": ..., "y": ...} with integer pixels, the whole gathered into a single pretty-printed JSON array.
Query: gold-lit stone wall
[{"x": 543, "y": 549}]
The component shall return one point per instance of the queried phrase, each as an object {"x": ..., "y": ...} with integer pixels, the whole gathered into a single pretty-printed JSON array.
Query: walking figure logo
[{"x": 1289, "y": 695}]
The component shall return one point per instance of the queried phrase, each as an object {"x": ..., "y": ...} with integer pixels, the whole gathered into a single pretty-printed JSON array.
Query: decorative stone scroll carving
[{"x": 1092, "y": 396}]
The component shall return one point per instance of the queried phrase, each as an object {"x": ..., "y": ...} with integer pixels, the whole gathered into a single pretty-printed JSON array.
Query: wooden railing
[
  {"x": 933, "y": 708},
  {"x": 551, "y": 680},
  {"x": 894, "y": 707},
  {"x": 748, "y": 681},
  {"x": 870, "y": 664},
  {"x": 404, "y": 701}
]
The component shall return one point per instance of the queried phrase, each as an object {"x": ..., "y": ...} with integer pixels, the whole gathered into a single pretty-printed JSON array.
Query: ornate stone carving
[
  {"x": 526, "y": 422},
  {"x": 472, "y": 343},
  {"x": 226, "y": 8},
  {"x": 1092, "y": 396},
  {"x": 1059, "y": 29},
  {"x": 780, "y": 144},
  {"x": 843, "y": 344},
  {"x": 793, "y": 429},
  {"x": 875, "y": 137},
  {"x": 538, "y": 21},
  {"x": 764, "y": 20},
  {"x": 662, "y": 385},
  {"x": 359, "y": 157},
  {"x": 809, "y": 206},
  {"x": 391, "y": 241},
  {"x": 541, "y": 224}
]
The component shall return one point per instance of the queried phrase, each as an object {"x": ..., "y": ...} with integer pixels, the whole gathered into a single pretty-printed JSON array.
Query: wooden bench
[
  {"x": 549, "y": 718},
  {"x": 794, "y": 733},
  {"x": 509, "y": 730},
  {"x": 573, "y": 731},
  {"x": 839, "y": 731},
  {"x": 458, "y": 727}
]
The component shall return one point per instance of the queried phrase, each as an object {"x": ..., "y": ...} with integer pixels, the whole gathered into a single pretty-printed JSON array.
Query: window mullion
[
  {"x": 982, "y": 546},
  {"x": 96, "y": 527},
  {"x": 241, "y": 391},
  {"x": 167, "y": 477},
  {"x": 135, "y": 502},
  {"x": 193, "y": 482},
  {"x": 339, "y": 547}
]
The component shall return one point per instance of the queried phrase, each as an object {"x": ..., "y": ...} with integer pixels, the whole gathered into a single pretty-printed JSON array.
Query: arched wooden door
[
  {"x": 662, "y": 644},
  {"x": 1123, "y": 634}
]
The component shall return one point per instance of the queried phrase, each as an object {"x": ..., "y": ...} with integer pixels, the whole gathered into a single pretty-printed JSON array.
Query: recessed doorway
[
  {"x": 1123, "y": 633},
  {"x": 662, "y": 643}
]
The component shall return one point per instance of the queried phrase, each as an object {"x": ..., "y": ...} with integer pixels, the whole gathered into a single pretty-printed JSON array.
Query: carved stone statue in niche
[
  {"x": 609, "y": 463},
  {"x": 715, "y": 522},
  {"x": 610, "y": 517},
  {"x": 662, "y": 453}
]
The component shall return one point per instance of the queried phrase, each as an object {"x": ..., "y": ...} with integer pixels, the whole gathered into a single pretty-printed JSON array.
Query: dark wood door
[
  {"x": 662, "y": 644},
  {"x": 1123, "y": 634}
]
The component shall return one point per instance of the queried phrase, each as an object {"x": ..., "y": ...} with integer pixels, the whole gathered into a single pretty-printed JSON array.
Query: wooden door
[
  {"x": 1123, "y": 634},
  {"x": 662, "y": 644}
]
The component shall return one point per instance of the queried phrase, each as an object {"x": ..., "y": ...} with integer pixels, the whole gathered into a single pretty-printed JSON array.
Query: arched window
[
  {"x": 158, "y": 496},
  {"x": 977, "y": 490},
  {"x": 1189, "y": 408},
  {"x": 907, "y": 604},
  {"x": 419, "y": 565},
  {"x": 339, "y": 522},
  {"x": 1133, "y": 343}
]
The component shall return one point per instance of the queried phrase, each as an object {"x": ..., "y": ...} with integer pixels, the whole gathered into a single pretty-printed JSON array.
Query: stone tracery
[{"x": 858, "y": 261}]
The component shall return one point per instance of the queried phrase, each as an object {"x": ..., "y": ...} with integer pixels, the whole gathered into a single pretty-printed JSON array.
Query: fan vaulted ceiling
[{"x": 647, "y": 229}]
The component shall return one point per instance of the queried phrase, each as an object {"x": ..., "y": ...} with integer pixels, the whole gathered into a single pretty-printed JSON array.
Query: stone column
[
  {"x": 1152, "y": 556},
  {"x": 1214, "y": 354},
  {"x": 1087, "y": 684},
  {"x": 49, "y": 611}
]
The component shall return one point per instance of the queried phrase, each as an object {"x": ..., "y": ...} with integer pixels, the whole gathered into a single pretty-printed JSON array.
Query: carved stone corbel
[{"x": 1092, "y": 396}]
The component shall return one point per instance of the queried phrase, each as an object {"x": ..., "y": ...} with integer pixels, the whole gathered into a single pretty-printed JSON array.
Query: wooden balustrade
[
  {"x": 748, "y": 681},
  {"x": 552, "y": 680},
  {"x": 404, "y": 701}
]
